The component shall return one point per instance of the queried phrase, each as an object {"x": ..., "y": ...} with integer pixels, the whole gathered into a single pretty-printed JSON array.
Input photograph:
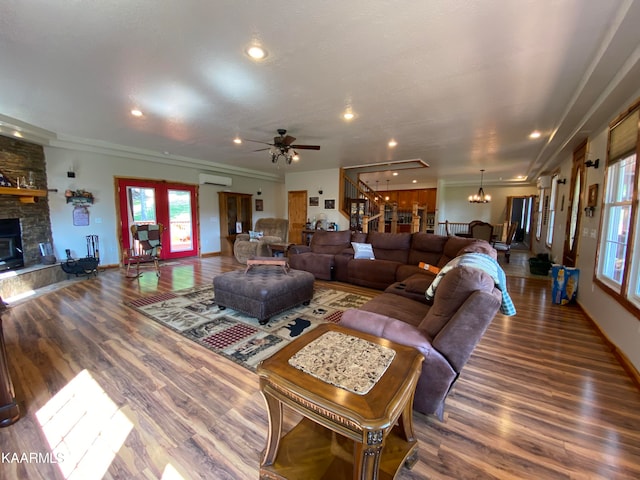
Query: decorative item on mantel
[
  {"x": 79, "y": 197},
  {"x": 4, "y": 181}
]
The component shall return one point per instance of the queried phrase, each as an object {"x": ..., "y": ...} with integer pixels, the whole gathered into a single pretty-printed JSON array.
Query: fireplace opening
[{"x": 10, "y": 244}]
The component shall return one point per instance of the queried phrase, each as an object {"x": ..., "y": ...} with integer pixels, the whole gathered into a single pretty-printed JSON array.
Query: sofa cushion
[
  {"x": 320, "y": 264},
  {"x": 390, "y": 246},
  {"x": 397, "y": 306},
  {"x": 453, "y": 290},
  {"x": 377, "y": 274},
  {"x": 255, "y": 236},
  {"x": 330, "y": 243},
  {"x": 363, "y": 250},
  {"x": 427, "y": 248},
  {"x": 454, "y": 245}
]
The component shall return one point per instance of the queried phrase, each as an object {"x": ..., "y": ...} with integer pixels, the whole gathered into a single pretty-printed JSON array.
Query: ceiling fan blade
[
  {"x": 262, "y": 149},
  {"x": 256, "y": 141},
  {"x": 288, "y": 140},
  {"x": 306, "y": 147}
]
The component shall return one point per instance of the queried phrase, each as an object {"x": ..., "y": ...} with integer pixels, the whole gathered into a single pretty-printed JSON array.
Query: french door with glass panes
[{"x": 171, "y": 204}]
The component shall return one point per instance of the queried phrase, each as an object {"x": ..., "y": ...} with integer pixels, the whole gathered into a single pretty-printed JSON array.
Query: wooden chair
[
  {"x": 481, "y": 230},
  {"x": 506, "y": 245},
  {"x": 147, "y": 246}
]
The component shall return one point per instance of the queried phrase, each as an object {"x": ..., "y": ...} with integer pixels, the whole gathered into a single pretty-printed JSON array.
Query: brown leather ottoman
[{"x": 263, "y": 291}]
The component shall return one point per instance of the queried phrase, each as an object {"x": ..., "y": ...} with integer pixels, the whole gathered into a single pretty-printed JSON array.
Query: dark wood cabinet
[{"x": 236, "y": 216}]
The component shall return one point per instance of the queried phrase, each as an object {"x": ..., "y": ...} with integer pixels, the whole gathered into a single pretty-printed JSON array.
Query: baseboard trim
[
  {"x": 211, "y": 254},
  {"x": 624, "y": 361}
]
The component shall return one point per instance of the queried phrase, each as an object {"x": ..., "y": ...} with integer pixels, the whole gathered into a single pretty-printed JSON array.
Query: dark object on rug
[{"x": 540, "y": 264}]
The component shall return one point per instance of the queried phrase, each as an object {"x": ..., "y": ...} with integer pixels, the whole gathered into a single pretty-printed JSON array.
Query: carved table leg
[{"x": 9, "y": 410}]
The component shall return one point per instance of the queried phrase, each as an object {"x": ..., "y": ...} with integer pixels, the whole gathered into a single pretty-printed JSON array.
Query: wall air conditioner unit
[
  {"x": 544, "y": 182},
  {"x": 207, "y": 179}
]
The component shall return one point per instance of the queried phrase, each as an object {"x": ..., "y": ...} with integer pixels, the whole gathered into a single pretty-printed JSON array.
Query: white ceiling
[{"x": 459, "y": 84}]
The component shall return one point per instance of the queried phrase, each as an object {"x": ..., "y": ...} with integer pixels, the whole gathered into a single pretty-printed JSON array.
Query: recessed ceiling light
[
  {"x": 237, "y": 140},
  {"x": 257, "y": 52},
  {"x": 17, "y": 134},
  {"x": 414, "y": 181},
  {"x": 392, "y": 143},
  {"x": 136, "y": 113},
  {"x": 535, "y": 134},
  {"x": 395, "y": 174}
]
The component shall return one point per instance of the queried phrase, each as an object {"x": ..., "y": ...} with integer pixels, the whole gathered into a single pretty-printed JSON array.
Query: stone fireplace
[
  {"x": 17, "y": 159},
  {"x": 10, "y": 244}
]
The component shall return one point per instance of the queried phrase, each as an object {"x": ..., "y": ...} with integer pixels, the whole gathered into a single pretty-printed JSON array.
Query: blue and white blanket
[{"x": 483, "y": 262}]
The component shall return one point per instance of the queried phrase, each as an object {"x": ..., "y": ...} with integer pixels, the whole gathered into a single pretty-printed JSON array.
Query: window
[
  {"x": 552, "y": 209},
  {"x": 618, "y": 269}
]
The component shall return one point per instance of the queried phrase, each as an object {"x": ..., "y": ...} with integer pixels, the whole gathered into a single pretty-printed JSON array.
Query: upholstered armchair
[{"x": 266, "y": 232}]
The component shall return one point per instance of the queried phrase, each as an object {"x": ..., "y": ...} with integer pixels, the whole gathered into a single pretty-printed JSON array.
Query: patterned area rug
[{"x": 194, "y": 313}]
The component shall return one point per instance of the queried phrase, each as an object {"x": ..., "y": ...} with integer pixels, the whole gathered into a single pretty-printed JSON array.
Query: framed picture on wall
[
  {"x": 259, "y": 205},
  {"x": 314, "y": 201},
  {"x": 592, "y": 198},
  {"x": 329, "y": 204}
]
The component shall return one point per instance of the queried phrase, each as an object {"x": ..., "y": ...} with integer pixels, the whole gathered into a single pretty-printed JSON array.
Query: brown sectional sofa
[
  {"x": 330, "y": 256},
  {"x": 446, "y": 331}
]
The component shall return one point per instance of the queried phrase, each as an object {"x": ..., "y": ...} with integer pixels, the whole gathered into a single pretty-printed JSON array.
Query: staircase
[{"x": 367, "y": 210}]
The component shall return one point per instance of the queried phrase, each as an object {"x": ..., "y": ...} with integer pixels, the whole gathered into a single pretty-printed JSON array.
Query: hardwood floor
[{"x": 542, "y": 397}]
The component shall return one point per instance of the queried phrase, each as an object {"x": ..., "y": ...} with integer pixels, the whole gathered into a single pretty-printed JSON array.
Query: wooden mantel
[{"x": 27, "y": 195}]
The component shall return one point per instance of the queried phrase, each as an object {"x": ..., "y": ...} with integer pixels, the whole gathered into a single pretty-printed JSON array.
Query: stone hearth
[{"x": 15, "y": 283}]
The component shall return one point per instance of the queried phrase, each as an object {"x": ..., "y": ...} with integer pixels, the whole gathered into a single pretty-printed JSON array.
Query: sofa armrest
[
  {"x": 294, "y": 249},
  {"x": 387, "y": 327},
  {"x": 242, "y": 237}
]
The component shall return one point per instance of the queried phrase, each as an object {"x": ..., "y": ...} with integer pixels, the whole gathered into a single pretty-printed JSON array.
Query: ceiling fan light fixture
[
  {"x": 348, "y": 114},
  {"x": 256, "y": 52}
]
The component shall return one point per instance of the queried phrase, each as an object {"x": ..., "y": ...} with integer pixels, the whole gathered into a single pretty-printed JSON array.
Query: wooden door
[
  {"x": 572, "y": 233},
  {"x": 297, "y": 206}
]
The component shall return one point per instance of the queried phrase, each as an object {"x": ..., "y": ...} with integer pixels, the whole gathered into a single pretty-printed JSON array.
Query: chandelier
[
  {"x": 286, "y": 153},
  {"x": 480, "y": 197}
]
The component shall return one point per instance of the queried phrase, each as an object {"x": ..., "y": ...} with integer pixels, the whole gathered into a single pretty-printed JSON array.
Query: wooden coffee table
[{"x": 343, "y": 434}]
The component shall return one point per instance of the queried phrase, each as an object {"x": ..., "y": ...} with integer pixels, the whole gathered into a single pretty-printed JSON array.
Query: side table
[
  {"x": 9, "y": 410},
  {"x": 343, "y": 434},
  {"x": 279, "y": 249}
]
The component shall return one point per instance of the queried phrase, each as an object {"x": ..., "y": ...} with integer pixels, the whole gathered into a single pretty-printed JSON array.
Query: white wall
[
  {"x": 95, "y": 173},
  {"x": 453, "y": 203},
  {"x": 618, "y": 324},
  {"x": 326, "y": 180}
]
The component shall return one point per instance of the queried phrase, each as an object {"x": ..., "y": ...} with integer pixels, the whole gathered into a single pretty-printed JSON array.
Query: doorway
[
  {"x": 520, "y": 209},
  {"x": 171, "y": 204},
  {"x": 572, "y": 236},
  {"x": 297, "y": 209}
]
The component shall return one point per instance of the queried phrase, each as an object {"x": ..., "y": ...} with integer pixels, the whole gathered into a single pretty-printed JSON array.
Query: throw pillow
[
  {"x": 255, "y": 236},
  {"x": 362, "y": 250}
]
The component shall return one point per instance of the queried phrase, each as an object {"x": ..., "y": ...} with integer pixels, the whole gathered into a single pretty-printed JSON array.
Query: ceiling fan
[{"x": 284, "y": 146}]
